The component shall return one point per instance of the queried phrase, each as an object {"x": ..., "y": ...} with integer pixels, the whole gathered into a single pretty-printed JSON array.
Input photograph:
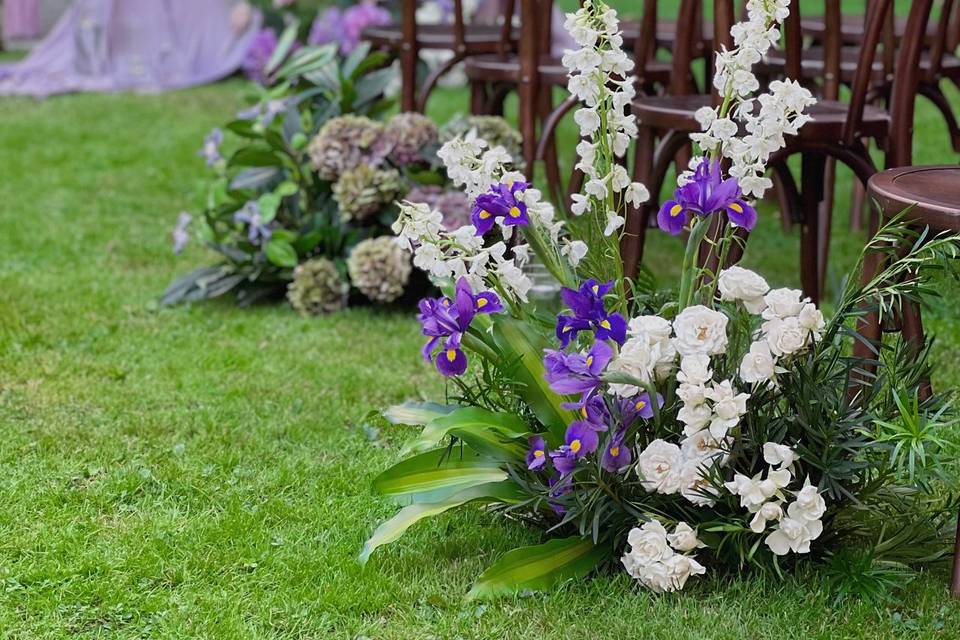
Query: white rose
[
  {"x": 680, "y": 568},
  {"x": 700, "y": 330},
  {"x": 684, "y": 538},
  {"x": 648, "y": 543},
  {"x": 692, "y": 394},
  {"x": 638, "y": 359},
  {"x": 700, "y": 446},
  {"x": 785, "y": 337},
  {"x": 778, "y": 454},
  {"x": 769, "y": 511},
  {"x": 654, "y": 326},
  {"x": 758, "y": 364},
  {"x": 809, "y": 503},
  {"x": 659, "y": 467},
  {"x": 783, "y": 303},
  {"x": 811, "y": 319},
  {"x": 695, "y": 369},
  {"x": 655, "y": 576},
  {"x": 794, "y": 534},
  {"x": 695, "y": 417},
  {"x": 739, "y": 284}
]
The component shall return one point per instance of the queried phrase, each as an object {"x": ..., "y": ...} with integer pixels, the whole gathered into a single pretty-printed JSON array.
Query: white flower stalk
[
  {"x": 599, "y": 76},
  {"x": 766, "y": 119}
]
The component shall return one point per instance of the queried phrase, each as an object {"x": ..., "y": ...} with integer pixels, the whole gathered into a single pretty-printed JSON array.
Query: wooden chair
[
  {"x": 407, "y": 39},
  {"x": 932, "y": 195}
]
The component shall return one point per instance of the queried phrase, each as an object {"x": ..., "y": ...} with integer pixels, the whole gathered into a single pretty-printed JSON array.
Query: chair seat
[
  {"x": 827, "y": 117},
  {"x": 932, "y": 192},
  {"x": 506, "y": 68},
  {"x": 812, "y": 65},
  {"x": 478, "y": 38}
]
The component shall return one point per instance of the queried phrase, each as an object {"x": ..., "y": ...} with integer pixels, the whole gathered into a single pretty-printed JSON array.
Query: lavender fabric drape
[
  {"x": 21, "y": 19},
  {"x": 140, "y": 45}
]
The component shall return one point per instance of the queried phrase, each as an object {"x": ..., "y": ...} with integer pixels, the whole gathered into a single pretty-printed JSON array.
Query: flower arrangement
[
  {"x": 311, "y": 173},
  {"x": 721, "y": 424}
]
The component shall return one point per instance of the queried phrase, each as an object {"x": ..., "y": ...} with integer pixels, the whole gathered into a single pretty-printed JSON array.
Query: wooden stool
[{"x": 933, "y": 196}]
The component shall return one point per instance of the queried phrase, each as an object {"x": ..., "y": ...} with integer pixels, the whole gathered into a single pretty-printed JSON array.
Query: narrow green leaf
[
  {"x": 438, "y": 474},
  {"x": 488, "y": 432},
  {"x": 417, "y": 413},
  {"x": 280, "y": 53},
  {"x": 539, "y": 567},
  {"x": 392, "y": 529}
]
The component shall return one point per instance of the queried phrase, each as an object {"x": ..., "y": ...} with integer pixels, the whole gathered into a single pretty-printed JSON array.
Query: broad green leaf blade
[
  {"x": 281, "y": 253},
  {"x": 392, "y": 529},
  {"x": 517, "y": 343},
  {"x": 487, "y": 432},
  {"x": 438, "y": 474},
  {"x": 539, "y": 567},
  {"x": 417, "y": 413}
]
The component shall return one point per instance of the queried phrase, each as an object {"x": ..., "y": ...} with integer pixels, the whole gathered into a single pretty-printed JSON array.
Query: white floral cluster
[
  {"x": 599, "y": 77},
  {"x": 791, "y": 322},
  {"x": 660, "y": 560},
  {"x": 797, "y": 525},
  {"x": 460, "y": 253},
  {"x": 710, "y": 409},
  {"x": 780, "y": 111}
]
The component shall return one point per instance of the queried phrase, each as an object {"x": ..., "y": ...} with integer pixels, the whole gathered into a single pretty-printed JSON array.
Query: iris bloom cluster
[
  {"x": 705, "y": 193},
  {"x": 445, "y": 321}
]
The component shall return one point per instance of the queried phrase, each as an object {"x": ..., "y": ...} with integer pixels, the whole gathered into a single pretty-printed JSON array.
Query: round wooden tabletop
[{"x": 933, "y": 192}]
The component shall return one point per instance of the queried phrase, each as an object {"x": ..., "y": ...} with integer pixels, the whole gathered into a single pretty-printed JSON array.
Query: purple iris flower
[
  {"x": 638, "y": 407},
  {"x": 617, "y": 455},
  {"x": 210, "y": 151},
  {"x": 582, "y": 438},
  {"x": 446, "y": 319},
  {"x": 537, "y": 455},
  {"x": 564, "y": 459},
  {"x": 258, "y": 233},
  {"x": 589, "y": 313},
  {"x": 705, "y": 194},
  {"x": 502, "y": 201},
  {"x": 570, "y": 373}
]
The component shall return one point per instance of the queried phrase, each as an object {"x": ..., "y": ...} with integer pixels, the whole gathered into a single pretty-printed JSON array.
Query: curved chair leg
[
  {"x": 546, "y": 148},
  {"x": 935, "y": 95},
  {"x": 431, "y": 82}
]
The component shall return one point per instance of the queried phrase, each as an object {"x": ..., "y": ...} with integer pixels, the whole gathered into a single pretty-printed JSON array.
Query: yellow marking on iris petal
[
  {"x": 583, "y": 411},
  {"x": 451, "y": 355},
  {"x": 481, "y": 303},
  {"x": 596, "y": 289},
  {"x": 575, "y": 446},
  {"x": 605, "y": 324},
  {"x": 484, "y": 214},
  {"x": 514, "y": 212},
  {"x": 614, "y": 451},
  {"x": 640, "y": 405},
  {"x": 676, "y": 210},
  {"x": 736, "y": 207},
  {"x": 538, "y": 453},
  {"x": 568, "y": 328},
  {"x": 589, "y": 361},
  {"x": 446, "y": 302}
]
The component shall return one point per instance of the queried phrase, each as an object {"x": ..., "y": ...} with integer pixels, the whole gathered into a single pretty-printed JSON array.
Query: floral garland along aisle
[{"x": 670, "y": 432}]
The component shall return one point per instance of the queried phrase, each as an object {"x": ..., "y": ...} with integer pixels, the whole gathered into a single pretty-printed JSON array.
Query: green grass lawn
[{"x": 204, "y": 471}]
